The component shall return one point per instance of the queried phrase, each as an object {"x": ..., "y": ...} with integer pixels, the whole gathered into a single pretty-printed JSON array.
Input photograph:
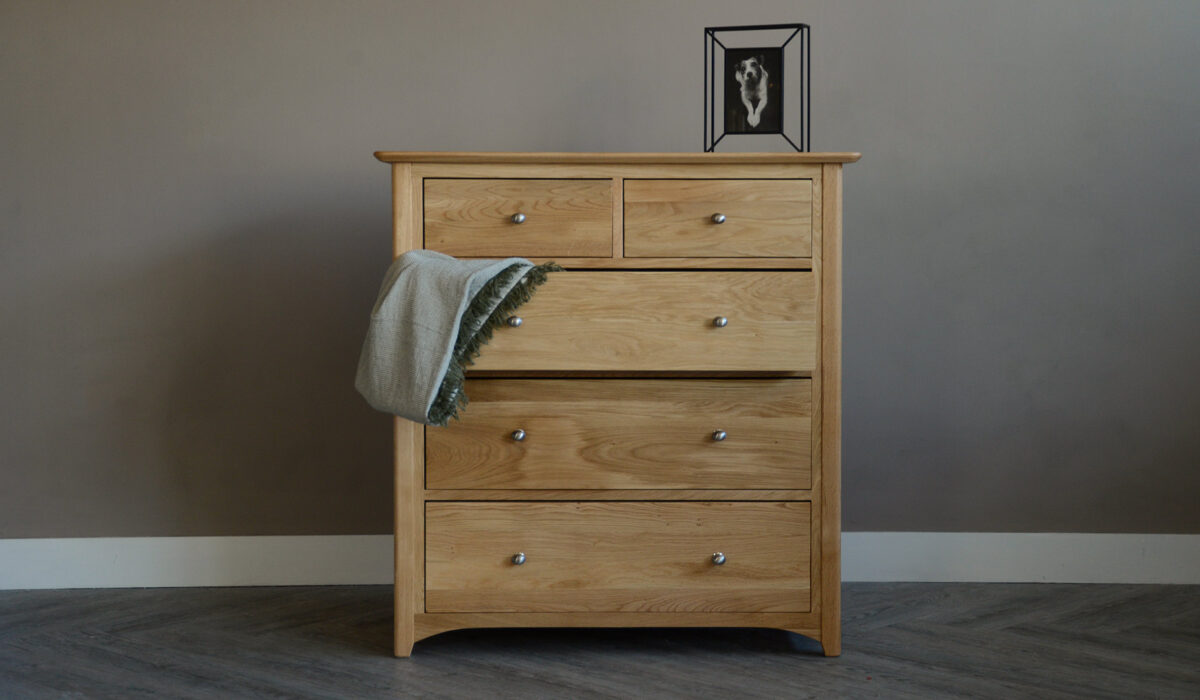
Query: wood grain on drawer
[
  {"x": 674, "y": 218},
  {"x": 473, "y": 218},
  {"x": 626, "y": 434},
  {"x": 617, "y": 556},
  {"x": 662, "y": 321}
]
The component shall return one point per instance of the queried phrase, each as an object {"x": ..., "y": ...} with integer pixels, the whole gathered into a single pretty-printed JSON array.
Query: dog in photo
[{"x": 752, "y": 77}]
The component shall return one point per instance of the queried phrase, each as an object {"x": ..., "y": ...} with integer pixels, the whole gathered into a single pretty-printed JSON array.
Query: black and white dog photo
[{"x": 753, "y": 90}]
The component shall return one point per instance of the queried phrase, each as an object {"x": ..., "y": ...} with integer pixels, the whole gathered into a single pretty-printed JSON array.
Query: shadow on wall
[{"x": 263, "y": 430}]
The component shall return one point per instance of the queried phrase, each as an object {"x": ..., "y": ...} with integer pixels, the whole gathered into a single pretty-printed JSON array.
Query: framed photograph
[
  {"x": 754, "y": 91},
  {"x": 745, "y": 91}
]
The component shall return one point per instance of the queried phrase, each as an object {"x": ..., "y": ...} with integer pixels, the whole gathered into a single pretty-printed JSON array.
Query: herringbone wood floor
[{"x": 901, "y": 641}]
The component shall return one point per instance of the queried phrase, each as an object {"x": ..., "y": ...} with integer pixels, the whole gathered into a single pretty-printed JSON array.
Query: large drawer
[
  {"x": 617, "y": 556},
  {"x": 718, "y": 218},
  {"x": 558, "y": 218},
  {"x": 626, "y": 434},
  {"x": 662, "y": 321}
]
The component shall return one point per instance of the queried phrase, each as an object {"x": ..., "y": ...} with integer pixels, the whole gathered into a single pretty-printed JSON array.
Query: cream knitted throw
[{"x": 432, "y": 316}]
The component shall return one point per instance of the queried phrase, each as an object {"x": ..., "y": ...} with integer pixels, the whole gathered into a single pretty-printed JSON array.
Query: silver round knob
[
  {"x": 515, "y": 321},
  {"x": 718, "y": 559},
  {"x": 720, "y": 322},
  {"x": 519, "y": 558},
  {"x": 518, "y": 435},
  {"x": 718, "y": 218},
  {"x": 718, "y": 435},
  {"x": 518, "y": 218}
]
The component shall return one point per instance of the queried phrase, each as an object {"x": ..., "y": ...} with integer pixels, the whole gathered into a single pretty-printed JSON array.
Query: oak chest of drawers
[{"x": 656, "y": 443}]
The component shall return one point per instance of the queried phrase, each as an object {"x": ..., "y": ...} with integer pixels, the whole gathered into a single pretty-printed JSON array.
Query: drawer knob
[
  {"x": 518, "y": 558},
  {"x": 720, "y": 322},
  {"x": 515, "y": 321},
  {"x": 719, "y": 435},
  {"x": 518, "y": 218},
  {"x": 718, "y": 218},
  {"x": 718, "y": 559},
  {"x": 518, "y": 435}
]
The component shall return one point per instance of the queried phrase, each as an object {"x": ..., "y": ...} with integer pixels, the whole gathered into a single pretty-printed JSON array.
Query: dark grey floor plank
[{"x": 900, "y": 641}]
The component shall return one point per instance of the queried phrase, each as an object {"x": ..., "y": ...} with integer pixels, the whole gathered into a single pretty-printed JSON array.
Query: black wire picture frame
[{"x": 745, "y": 88}]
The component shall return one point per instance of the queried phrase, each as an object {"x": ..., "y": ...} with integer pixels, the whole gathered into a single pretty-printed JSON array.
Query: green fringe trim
[{"x": 450, "y": 396}]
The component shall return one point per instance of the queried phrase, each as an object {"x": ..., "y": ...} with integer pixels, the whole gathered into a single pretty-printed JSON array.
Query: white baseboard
[
  {"x": 1037, "y": 557},
  {"x": 136, "y": 562},
  {"x": 153, "y": 562}
]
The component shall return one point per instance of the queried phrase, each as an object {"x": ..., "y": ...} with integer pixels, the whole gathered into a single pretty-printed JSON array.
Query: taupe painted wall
[{"x": 193, "y": 229}]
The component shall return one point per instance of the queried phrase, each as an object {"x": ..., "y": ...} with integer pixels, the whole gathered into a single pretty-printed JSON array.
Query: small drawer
[
  {"x": 626, "y": 434},
  {"x": 718, "y": 218},
  {"x": 718, "y": 321},
  {"x": 557, "y": 218},
  {"x": 603, "y": 556}
]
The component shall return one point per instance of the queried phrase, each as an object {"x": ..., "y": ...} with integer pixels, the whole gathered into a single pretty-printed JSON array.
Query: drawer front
[
  {"x": 675, "y": 218},
  {"x": 626, "y": 434},
  {"x": 562, "y": 218},
  {"x": 617, "y": 556},
  {"x": 662, "y": 321}
]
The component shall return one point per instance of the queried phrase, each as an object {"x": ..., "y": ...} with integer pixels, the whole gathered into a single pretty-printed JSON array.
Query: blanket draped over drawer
[{"x": 432, "y": 316}]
